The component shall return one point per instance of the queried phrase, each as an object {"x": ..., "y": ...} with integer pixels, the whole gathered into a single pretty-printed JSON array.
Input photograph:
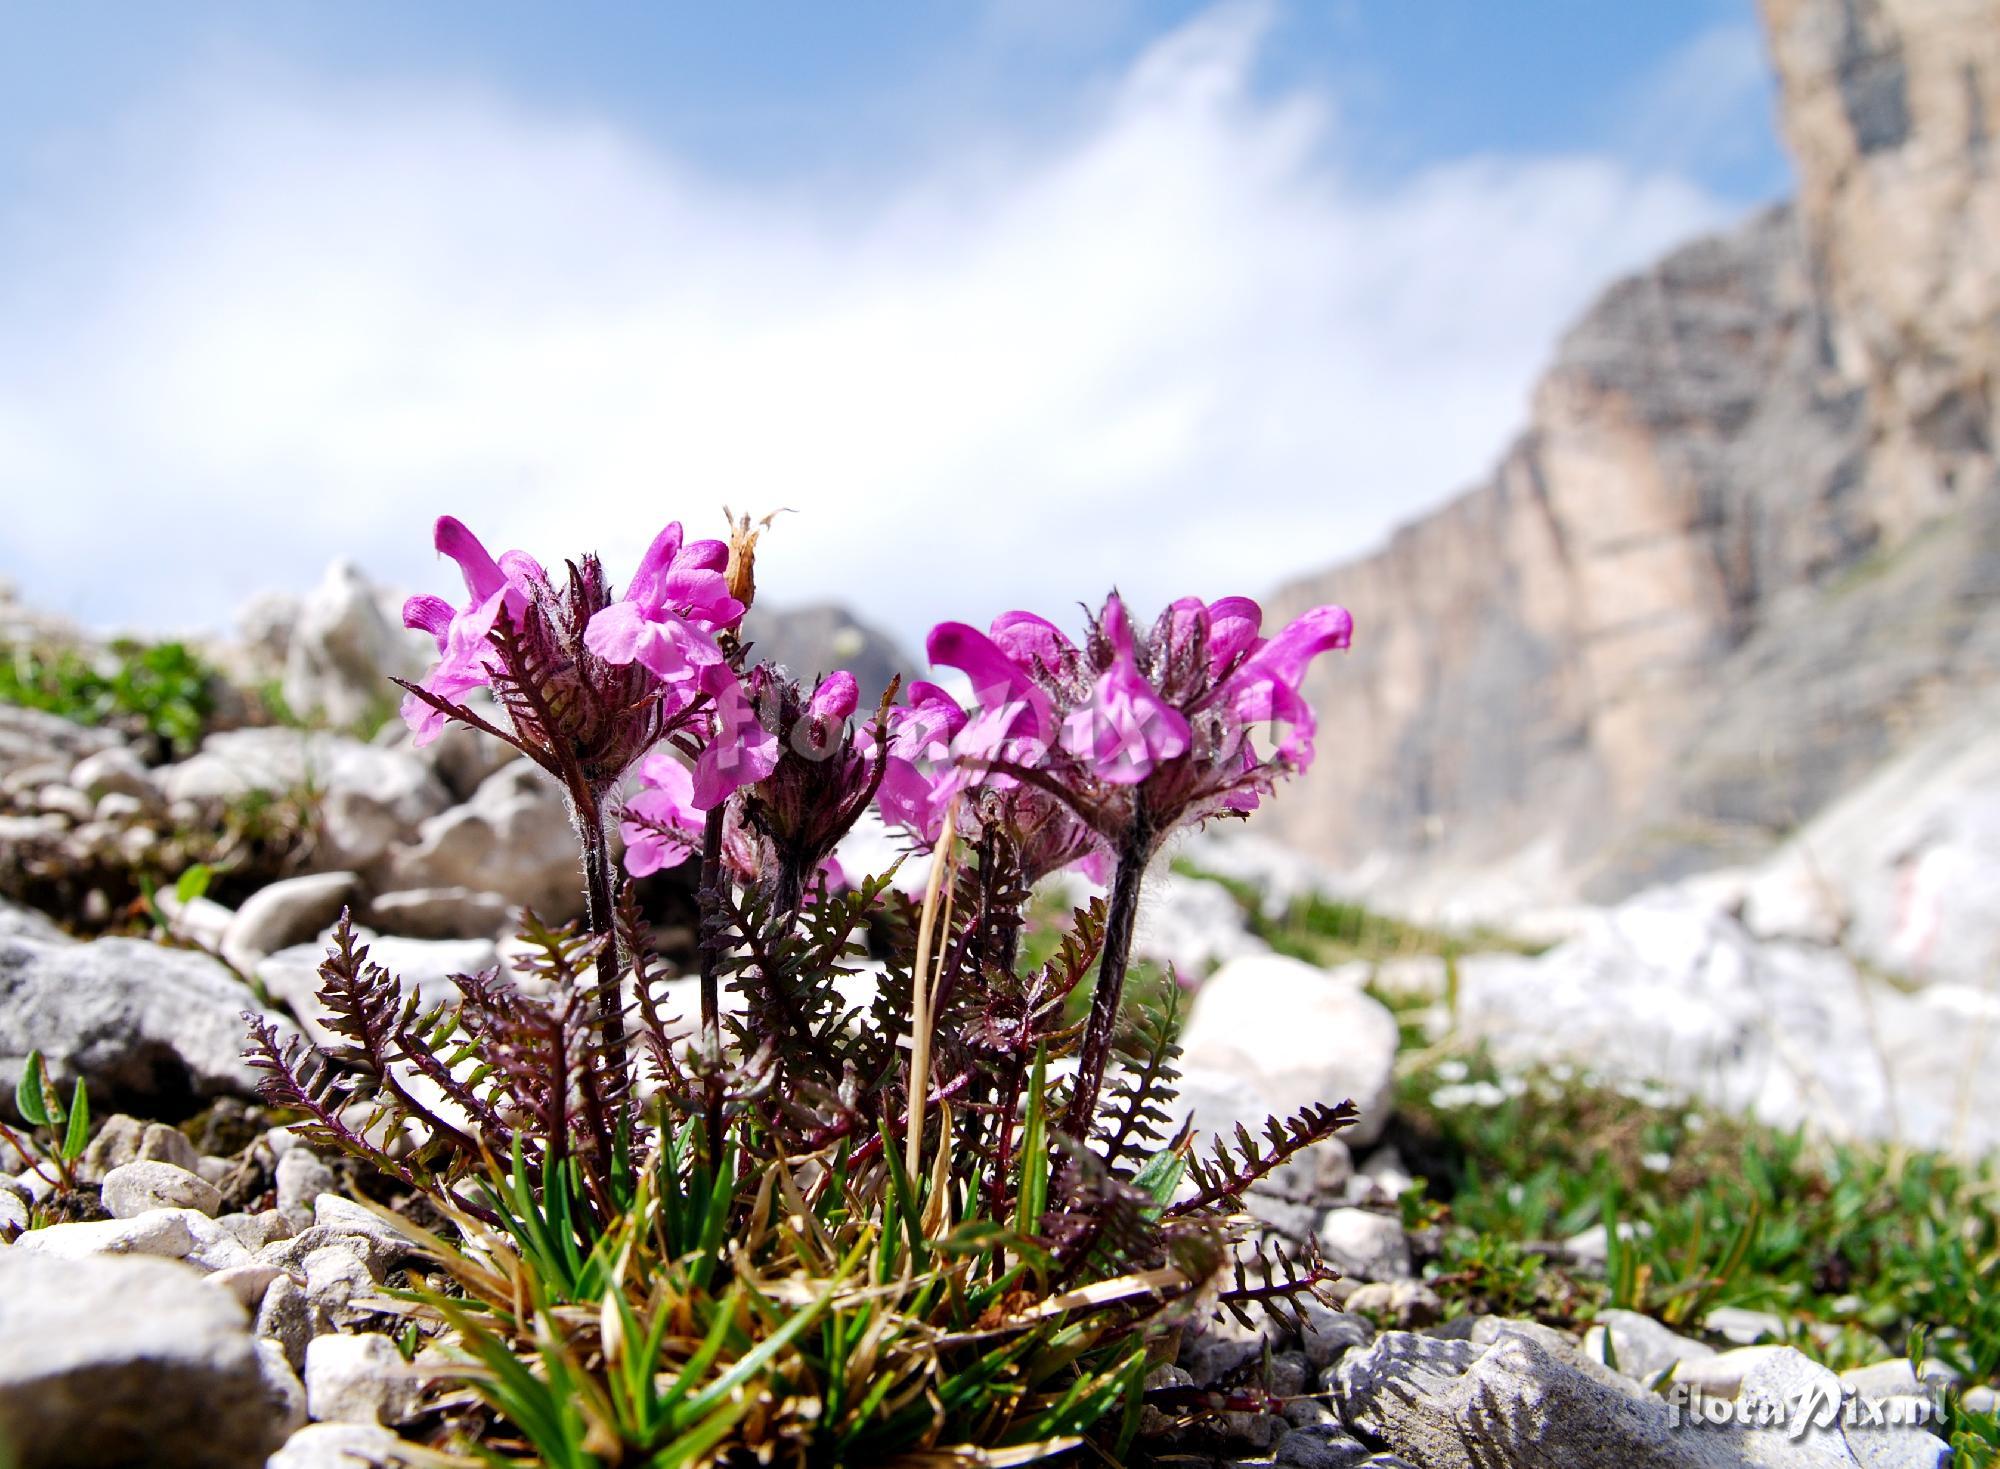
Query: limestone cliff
[{"x": 1750, "y": 540}]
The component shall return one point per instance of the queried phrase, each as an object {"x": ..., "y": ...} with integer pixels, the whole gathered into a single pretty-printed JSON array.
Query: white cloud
[{"x": 1180, "y": 348}]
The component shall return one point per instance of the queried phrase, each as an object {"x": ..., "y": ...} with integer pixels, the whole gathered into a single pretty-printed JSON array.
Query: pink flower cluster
[
  {"x": 666, "y": 630},
  {"x": 1070, "y": 752},
  {"x": 1131, "y": 734}
]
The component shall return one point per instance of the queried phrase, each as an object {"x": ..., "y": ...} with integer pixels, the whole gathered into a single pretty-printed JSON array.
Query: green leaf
[
  {"x": 77, "y": 1134},
  {"x": 1161, "y": 1176},
  {"x": 193, "y": 883},
  {"x": 1034, "y": 1196},
  {"x": 29, "y": 1094}
]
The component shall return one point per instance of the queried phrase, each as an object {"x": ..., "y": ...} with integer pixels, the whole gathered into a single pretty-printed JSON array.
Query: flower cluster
[
  {"x": 1087, "y": 753},
  {"x": 1074, "y": 752},
  {"x": 1131, "y": 734},
  {"x": 1079, "y": 752},
  {"x": 1021, "y": 1182},
  {"x": 804, "y": 770}
]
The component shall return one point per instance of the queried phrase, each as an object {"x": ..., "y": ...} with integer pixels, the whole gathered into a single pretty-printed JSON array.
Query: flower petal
[
  {"x": 1233, "y": 625},
  {"x": 653, "y": 566},
  {"x": 616, "y": 632},
  {"x": 483, "y": 576},
  {"x": 428, "y": 614},
  {"x": 997, "y": 681},
  {"x": 1026, "y": 638},
  {"x": 836, "y": 697}
]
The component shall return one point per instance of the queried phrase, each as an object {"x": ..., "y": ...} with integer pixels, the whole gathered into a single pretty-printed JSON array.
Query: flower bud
[{"x": 743, "y": 534}]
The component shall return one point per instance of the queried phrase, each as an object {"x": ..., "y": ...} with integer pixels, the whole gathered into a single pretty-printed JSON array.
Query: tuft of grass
[
  {"x": 1328, "y": 931},
  {"x": 1858, "y": 1250}
]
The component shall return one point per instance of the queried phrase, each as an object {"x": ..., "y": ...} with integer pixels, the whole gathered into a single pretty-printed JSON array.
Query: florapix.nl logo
[{"x": 1817, "y": 1406}]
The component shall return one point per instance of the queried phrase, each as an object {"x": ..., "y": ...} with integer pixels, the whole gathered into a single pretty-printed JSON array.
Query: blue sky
[{"x": 279, "y": 282}]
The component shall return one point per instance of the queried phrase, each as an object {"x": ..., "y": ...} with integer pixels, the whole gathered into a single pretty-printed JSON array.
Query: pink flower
[
  {"x": 1001, "y": 684},
  {"x": 919, "y": 780},
  {"x": 667, "y": 620},
  {"x": 1125, "y": 728},
  {"x": 924, "y": 774},
  {"x": 1136, "y": 733},
  {"x": 1265, "y": 687},
  {"x": 837, "y": 696},
  {"x": 661, "y": 824},
  {"x": 468, "y": 658},
  {"x": 742, "y": 751}
]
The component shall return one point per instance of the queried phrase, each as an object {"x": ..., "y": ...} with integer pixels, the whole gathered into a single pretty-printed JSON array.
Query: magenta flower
[
  {"x": 920, "y": 774},
  {"x": 468, "y": 658},
  {"x": 1126, "y": 728},
  {"x": 667, "y": 619},
  {"x": 661, "y": 824},
  {"x": 821, "y": 773},
  {"x": 1138, "y": 734},
  {"x": 837, "y": 697},
  {"x": 582, "y": 716},
  {"x": 741, "y": 751},
  {"x": 1032, "y": 831},
  {"x": 1131, "y": 737}
]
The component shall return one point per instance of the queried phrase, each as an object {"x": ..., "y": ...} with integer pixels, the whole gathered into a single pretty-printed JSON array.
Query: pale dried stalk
[{"x": 922, "y": 988}]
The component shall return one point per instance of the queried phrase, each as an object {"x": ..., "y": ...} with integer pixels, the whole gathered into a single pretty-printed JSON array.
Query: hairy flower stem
[
  {"x": 1111, "y": 966},
  {"x": 601, "y": 916},
  {"x": 710, "y": 899}
]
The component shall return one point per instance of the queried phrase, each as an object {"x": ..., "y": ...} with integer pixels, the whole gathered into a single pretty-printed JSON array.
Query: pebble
[
  {"x": 1365, "y": 1245},
  {"x": 247, "y": 1283},
  {"x": 302, "y": 1176},
  {"x": 162, "y": 1232},
  {"x": 132, "y": 1189},
  {"x": 359, "y": 1379},
  {"x": 336, "y": 1446}
]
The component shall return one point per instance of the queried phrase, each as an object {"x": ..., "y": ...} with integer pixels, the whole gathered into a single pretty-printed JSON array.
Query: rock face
[
  {"x": 127, "y": 1362},
  {"x": 1749, "y": 543}
]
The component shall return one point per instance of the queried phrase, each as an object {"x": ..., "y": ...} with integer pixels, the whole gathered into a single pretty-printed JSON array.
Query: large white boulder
[
  {"x": 344, "y": 647},
  {"x": 512, "y": 838},
  {"x": 1193, "y": 925},
  {"x": 1295, "y": 1035},
  {"x": 1668, "y": 990},
  {"x": 1905, "y": 868}
]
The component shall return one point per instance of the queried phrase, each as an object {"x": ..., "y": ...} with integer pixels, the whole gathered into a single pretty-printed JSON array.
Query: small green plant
[
  {"x": 161, "y": 689},
  {"x": 952, "y": 1222},
  {"x": 58, "y": 1133}
]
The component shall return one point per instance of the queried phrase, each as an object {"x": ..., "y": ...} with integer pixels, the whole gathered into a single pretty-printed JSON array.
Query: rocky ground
[{"x": 208, "y": 1291}]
